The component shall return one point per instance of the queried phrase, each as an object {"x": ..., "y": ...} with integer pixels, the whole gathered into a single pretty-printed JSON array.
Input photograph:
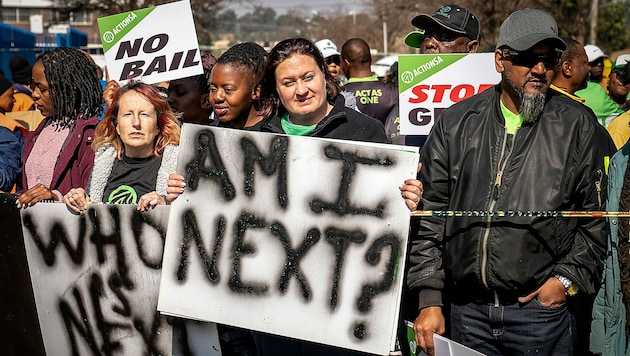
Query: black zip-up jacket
[
  {"x": 469, "y": 162},
  {"x": 341, "y": 123}
]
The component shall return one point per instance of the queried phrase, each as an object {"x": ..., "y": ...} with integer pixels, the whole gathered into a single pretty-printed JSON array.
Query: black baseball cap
[{"x": 449, "y": 17}]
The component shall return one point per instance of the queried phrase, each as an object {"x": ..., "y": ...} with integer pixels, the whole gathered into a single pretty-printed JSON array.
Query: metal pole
[
  {"x": 592, "y": 38},
  {"x": 385, "y": 38}
]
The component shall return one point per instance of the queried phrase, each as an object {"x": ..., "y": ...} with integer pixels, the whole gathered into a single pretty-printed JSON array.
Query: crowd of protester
[{"x": 551, "y": 136}]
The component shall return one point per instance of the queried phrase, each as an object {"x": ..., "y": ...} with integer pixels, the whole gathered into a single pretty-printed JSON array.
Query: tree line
[{"x": 605, "y": 22}]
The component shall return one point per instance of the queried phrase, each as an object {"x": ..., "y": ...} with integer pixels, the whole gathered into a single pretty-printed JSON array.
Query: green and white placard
[
  {"x": 430, "y": 83},
  {"x": 155, "y": 44}
]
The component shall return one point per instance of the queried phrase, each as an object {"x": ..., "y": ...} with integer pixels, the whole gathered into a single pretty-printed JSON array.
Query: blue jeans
[{"x": 514, "y": 329}]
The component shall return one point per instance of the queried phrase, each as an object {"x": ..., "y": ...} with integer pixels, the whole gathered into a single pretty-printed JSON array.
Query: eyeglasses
[
  {"x": 442, "y": 36},
  {"x": 333, "y": 59},
  {"x": 530, "y": 59},
  {"x": 597, "y": 62},
  {"x": 624, "y": 80}
]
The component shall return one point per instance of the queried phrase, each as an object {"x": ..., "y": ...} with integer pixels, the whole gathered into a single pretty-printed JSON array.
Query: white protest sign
[
  {"x": 294, "y": 236},
  {"x": 430, "y": 83},
  {"x": 446, "y": 347},
  {"x": 95, "y": 280},
  {"x": 156, "y": 44}
]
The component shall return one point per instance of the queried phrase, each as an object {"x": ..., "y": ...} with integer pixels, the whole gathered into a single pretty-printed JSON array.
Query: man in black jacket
[{"x": 516, "y": 147}]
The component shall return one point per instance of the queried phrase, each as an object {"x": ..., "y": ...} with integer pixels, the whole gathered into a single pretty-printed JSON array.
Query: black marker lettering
[
  {"x": 340, "y": 241},
  {"x": 292, "y": 264},
  {"x": 244, "y": 222},
  {"x": 207, "y": 149},
  {"x": 277, "y": 163},
  {"x": 342, "y": 206}
]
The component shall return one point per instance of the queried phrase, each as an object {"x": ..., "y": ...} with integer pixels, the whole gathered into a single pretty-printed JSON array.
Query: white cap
[
  {"x": 327, "y": 47},
  {"x": 593, "y": 52}
]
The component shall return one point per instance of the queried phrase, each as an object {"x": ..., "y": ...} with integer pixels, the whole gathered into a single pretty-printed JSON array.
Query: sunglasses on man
[
  {"x": 624, "y": 80},
  {"x": 597, "y": 62},
  {"x": 333, "y": 59},
  {"x": 530, "y": 59}
]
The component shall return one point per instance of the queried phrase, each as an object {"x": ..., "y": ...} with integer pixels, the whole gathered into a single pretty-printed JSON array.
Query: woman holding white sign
[
  {"x": 136, "y": 148},
  {"x": 300, "y": 97},
  {"x": 57, "y": 154}
]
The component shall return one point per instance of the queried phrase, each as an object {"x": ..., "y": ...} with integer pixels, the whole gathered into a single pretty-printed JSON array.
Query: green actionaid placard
[
  {"x": 113, "y": 28},
  {"x": 147, "y": 45},
  {"x": 414, "y": 69},
  {"x": 430, "y": 83}
]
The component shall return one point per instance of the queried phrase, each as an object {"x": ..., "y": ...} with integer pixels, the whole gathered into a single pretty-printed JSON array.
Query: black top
[
  {"x": 131, "y": 178},
  {"x": 374, "y": 98},
  {"x": 341, "y": 123}
]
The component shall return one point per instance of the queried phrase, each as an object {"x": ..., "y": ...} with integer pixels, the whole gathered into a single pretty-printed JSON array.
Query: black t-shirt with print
[
  {"x": 130, "y": 179},
  {"x": 374, "y": 98}
]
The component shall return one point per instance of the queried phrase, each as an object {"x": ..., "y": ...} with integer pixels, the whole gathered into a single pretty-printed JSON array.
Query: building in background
[{"x": 46, "y": 19}]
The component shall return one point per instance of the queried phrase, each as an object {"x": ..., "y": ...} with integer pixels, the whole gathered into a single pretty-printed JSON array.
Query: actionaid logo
[{"x": 109, "y": 36}]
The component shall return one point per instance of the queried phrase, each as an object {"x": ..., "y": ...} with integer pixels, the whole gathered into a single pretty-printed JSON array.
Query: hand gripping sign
[
  {"x": 156, "y": 44},
  {"x": 430, "y": 83}
]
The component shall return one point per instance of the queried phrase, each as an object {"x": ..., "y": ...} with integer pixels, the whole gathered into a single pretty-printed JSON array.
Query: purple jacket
[{"x": 76, "y": 159}]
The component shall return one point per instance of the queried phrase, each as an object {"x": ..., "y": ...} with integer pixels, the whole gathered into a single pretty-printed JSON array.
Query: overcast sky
[{"x": 282, "y": 6}]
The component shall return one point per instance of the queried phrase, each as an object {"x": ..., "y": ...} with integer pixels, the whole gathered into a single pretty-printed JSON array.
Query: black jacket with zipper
[
  {"x": 341, "y": 123},
  {"x": 469, "y": 162}
]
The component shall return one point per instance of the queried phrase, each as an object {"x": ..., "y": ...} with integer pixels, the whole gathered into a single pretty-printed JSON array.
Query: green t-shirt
[
  {"x": 598, "y": 100},
  {"x": 512, "y": 121},
  {"x": 295, "y": 130}
]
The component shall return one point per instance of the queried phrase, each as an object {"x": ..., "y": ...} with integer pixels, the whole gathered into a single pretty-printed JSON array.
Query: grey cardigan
[{"x": 104, "y": 162}]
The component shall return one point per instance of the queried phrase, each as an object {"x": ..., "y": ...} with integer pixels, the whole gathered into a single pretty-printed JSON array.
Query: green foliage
[
  {"x": 226, "y": 21},
  {"x": 573, "y": 17},
  {"x": 612, "y": 26},
  {"x": 205, "y": 13},
  {"x": 262, "y": 26}
]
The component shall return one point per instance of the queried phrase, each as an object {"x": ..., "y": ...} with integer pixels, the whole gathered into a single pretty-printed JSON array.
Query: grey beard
[{"x": 532, "y": 105}]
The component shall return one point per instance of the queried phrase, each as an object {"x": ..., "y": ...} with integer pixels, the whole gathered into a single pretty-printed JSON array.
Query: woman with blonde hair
[{"x": 136, "y": 148}]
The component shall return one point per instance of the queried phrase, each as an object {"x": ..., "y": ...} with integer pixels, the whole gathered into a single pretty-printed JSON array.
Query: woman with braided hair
[
  {"x": 234, "y": 95},
  {"x": 58, "y": 153},
  {"x": 234, "y": 85}
]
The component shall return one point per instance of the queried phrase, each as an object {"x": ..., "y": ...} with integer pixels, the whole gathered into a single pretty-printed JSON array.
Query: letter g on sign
[{"x": 417, "y": 118}]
